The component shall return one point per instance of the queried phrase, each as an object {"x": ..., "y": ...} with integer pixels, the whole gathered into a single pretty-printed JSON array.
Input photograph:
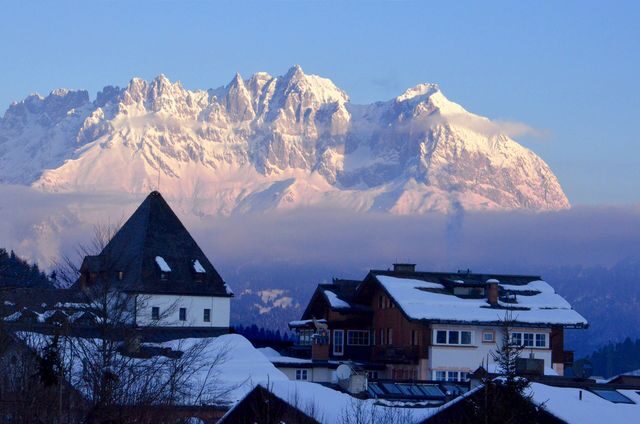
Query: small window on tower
[
  {"x": 183, "y": 314},
  {"x": 207, "y": 315},
  {"x": 165, "y": 269},
  {"x": 120, "y": 275},
  {"x": 155, "y": 313}
]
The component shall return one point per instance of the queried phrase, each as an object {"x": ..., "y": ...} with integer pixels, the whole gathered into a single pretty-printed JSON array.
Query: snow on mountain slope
[{"x": 271, "y": 143}]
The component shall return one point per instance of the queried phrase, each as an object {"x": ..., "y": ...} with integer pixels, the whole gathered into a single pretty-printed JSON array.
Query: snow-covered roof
[
  {"x": 242, "y": 368},
  {"x": 276, "y": 358},
  {"x": 565, "y": 403},
  {"x": 13, "y": 317},
  {"x": 330, "y": 406},
  {"x": 164, "y": 266},
  {"x": 633, "y": 373},
  {"x": 335, "y": 301},
  {"x": 306, "y": 322},
  {"x": 534, "y": 303}
]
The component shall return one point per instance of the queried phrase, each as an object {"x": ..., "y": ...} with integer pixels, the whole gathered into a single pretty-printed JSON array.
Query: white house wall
[
  {"x": 170, "y": 309},
  {"x": 315, "y": 374},
  {"x": 469, "y": 358}
]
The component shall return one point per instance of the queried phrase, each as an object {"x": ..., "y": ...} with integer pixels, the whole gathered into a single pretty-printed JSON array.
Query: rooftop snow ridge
[{"x": 540, "y": 305}]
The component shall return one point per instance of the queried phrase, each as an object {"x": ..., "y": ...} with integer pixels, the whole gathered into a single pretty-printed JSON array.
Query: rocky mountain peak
[
  {"x": 421, "y": 90},
  {"x": 272, "y": 142}
]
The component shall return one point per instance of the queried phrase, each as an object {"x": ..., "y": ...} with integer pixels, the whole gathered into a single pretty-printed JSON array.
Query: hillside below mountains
[{"x": 268, "y": 143}]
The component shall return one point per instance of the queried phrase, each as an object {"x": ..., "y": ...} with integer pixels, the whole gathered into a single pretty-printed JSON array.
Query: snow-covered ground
[{"x": 224, "y": 368}]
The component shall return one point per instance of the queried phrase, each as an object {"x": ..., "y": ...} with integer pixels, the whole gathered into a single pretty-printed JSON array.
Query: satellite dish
[{"x": 343, "y": 372}]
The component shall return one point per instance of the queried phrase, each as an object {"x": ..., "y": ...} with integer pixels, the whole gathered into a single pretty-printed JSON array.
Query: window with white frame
[
  {"x": 358, "y": 338},
  {"x": 488, "y": 336},
  {"x": 302, "y": 374},
  {"x": 526, "y": 339},
  {"x": 446, "y": 375},
  {"x": 454, "y": 337},
  {"x": 304, "y": 336},
  {"x": 338, "y": 342}
]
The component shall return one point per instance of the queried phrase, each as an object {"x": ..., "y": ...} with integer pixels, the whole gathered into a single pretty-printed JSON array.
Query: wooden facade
[{"x": 404, "y": 345}]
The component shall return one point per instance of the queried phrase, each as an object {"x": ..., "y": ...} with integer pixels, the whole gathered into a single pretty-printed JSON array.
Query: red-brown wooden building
[{"x": 434, "y": 326}]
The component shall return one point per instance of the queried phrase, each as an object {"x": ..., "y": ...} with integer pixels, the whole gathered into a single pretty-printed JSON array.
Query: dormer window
[
  {"x": 197, "y": 267},
  {"x": 199, "y": 271},
  {"x": 165, "y": 269}
]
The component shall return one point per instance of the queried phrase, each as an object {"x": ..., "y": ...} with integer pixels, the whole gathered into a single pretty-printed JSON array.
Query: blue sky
[{"x": 569, "y": 69}]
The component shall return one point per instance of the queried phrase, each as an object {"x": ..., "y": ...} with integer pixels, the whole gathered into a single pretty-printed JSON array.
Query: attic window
[
  {"x": 197, "y": 267},
  {"x": 165, "y": 269}
]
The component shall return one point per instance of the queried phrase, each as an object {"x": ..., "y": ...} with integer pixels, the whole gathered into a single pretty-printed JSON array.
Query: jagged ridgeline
[{"x": 273, "y": 142}]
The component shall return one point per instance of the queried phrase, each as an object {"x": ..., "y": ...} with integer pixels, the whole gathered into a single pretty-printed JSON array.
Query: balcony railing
[{"x": 406, "y": 354}]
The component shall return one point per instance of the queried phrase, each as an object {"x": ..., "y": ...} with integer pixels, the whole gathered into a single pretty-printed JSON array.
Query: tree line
[{"x": 15, "y": 271}]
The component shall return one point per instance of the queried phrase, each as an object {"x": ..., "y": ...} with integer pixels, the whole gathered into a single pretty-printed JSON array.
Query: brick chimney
[{"x": 492, "y": 292}]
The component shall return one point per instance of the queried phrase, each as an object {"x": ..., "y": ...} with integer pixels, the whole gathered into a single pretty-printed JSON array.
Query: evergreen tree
[{"x": 50, "y": 365}]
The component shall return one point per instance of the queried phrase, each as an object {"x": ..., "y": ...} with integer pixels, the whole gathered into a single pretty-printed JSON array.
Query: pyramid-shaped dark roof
[{"x": 152, "y": 232}]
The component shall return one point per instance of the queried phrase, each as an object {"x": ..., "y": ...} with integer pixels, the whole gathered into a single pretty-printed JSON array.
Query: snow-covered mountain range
[{"x": 269, "y": 143}]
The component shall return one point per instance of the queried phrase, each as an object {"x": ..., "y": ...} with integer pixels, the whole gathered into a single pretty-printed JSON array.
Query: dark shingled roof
[{"x": 155, "y": 230}]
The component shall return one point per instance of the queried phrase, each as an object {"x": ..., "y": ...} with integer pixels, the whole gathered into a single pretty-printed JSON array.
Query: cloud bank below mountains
[{"x": 41, "y": 226}]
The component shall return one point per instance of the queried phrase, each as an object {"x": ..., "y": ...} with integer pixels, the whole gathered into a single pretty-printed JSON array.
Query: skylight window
[
  {"x": 162, "y": 264},
  {"x": 197, "y": 267},
  {"x": 612, "y": 396},
  {"x": 375, "y": 389},
  {"x": 392, "y": 388},
  {"x": 431, "y": 390}
]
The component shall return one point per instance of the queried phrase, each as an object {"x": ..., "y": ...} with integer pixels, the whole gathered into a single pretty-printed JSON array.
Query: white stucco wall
[
  {"x": 170, "y": 309},
  {"x": 469, "y": 358},
  {"x": 315, "y": 374}
]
